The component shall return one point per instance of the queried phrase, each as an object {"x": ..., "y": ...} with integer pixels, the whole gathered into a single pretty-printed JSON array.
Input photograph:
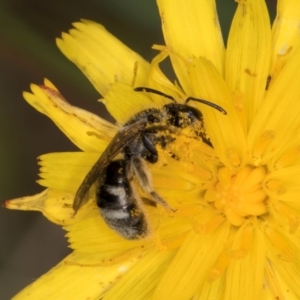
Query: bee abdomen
[{"x": 120, "y": 212}]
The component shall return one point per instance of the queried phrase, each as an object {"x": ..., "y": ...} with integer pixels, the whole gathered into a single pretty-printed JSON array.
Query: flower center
[{"x": 239, "y": 195}]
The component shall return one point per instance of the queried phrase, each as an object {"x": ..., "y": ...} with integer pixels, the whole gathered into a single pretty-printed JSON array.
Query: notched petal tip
[
  {"x": 101, "y": 56},
  {"x": 49, "y": 84}
]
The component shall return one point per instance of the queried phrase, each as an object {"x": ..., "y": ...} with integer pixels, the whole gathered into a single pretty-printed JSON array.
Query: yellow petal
[
  {"x": 274, "y": 287},
  {"x": 78, "y": 276},
  {"x": 275, "y": 129},
  {"x": 191, "y": 30},
  {"x": 245, "y": 275},
  {"x": 90, "y": 234},
  {"x": 290, "y": 157},
  {"x": 102, "y": 57},
  {"x": 160, "y": 82},
  {"x": 283, "y": 181},
  {"x": 189, "y": 269},
  {"x": 174, "y": 175},
  {"x": 284, "y": 285},
  {"x": 86, "y": 130},
  {"x": 65, "y": 171},
  {"x": 123, "y": 103},
  {"x": 287, "y": 214},
  {"x": 142, "y": 278},
  {"x": 283, "y": 251},
  {"x": 211, "y": 290},
  {"x": 54, "y": 205},
  {"x": 285, "y": 35},
  {"x": 248, "y": 57},
  {"x": 225, "y": 131}
]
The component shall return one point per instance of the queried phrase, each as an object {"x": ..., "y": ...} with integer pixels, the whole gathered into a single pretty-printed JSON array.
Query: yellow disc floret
[{"x": 239, "y": 195}]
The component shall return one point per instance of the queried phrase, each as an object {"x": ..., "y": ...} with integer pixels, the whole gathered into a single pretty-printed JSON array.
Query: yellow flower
[{"x": 235, "y": 232}]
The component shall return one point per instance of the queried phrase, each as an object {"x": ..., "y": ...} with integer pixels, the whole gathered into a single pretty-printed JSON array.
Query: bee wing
[{"x": 121, "y": 139}]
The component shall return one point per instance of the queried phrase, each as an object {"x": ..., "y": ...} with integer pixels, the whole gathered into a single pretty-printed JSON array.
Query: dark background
[{"x": 29, "y": 244}]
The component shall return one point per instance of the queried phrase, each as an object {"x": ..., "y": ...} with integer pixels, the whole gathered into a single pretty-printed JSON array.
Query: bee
[{"x": 119, "y": 202}]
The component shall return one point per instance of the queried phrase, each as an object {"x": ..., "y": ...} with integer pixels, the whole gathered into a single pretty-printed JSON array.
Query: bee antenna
[
  {"x": 153, "y": 91},
  {"x": 219, "y": 108}
]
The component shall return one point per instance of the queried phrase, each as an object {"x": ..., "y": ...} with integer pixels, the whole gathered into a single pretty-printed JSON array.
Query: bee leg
[
  {"x": 161, "y": 201},
  {"x": 130, "y": 176},
  {"x": 144, "y": 180},
  {"x": 151, "y": 153},
  {"x": 149, "y": 202},
  {"x": 149, "y": 141}
]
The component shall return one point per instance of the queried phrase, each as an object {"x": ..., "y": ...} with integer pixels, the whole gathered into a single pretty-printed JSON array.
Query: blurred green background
[{"x": 29, "y": 244}]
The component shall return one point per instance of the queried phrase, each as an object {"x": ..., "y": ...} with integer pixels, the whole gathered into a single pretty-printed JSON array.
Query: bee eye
[{"x": 153, "y": 119}]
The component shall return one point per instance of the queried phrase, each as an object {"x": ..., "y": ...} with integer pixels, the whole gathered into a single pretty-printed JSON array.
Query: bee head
[
  {"x": 153, "y": 118},
  {"x": 153, "y": 91},
  {"x": 181, "y": 115}
]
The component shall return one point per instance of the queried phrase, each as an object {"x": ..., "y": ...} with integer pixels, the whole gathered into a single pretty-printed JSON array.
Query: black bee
[{"x": 120, "y": 205}]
